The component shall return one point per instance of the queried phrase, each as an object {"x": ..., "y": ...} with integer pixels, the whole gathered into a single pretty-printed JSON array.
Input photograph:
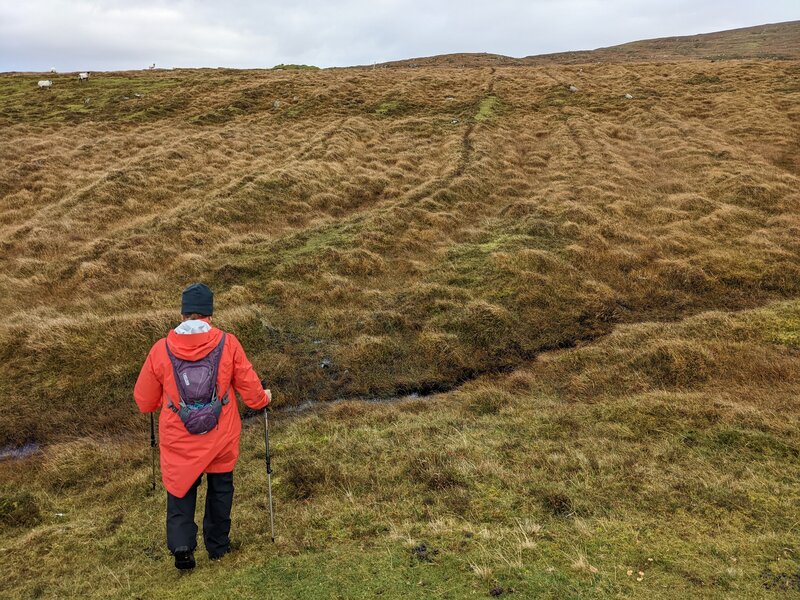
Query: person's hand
[{"x": 266, "y": 390}]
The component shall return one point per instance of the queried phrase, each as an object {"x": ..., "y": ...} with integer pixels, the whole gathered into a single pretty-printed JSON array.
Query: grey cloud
[{"x": 119, "y": 34}]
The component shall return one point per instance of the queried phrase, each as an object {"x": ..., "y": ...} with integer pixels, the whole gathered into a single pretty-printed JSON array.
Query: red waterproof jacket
[{"x": 184, "y": 456}]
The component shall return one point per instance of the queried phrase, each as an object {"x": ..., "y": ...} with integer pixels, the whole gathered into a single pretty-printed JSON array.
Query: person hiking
[{"x": 191, "y": 375}]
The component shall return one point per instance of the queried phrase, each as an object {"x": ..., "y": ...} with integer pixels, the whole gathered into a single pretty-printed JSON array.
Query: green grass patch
[
  {"x": 783, "y": 325},
  {"x": 135, "y": 98},
  {"x": 487, "y": 109},
  {"x": 295, "y": 67},
  {"x": 388, "y": 108},
  {"x": 503, "y": 487},
  {"x": 469, "y": 264}
]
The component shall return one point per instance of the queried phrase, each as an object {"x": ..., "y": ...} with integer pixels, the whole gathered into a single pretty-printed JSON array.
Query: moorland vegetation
[{"x": 581, "y": 309}]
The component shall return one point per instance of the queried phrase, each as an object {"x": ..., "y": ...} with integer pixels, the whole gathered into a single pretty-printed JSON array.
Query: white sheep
[
  {"x": 45, "y": 84},
  {"x": 83, "y": 76},
  {"x": 53, "y": 70}
]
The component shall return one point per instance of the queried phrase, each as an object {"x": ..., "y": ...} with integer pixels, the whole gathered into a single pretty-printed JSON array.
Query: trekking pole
[
  {"x": 269, "y": 474},
  {"x": 153, "y": 448}
]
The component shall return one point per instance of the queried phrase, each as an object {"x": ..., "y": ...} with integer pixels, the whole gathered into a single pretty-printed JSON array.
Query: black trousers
[{"x": 181, "y": 528}]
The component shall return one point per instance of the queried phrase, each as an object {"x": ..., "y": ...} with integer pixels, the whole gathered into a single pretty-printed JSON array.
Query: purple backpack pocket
[
  {"x": 200, "y": 406},
  {"x": 200, "y": 419}
]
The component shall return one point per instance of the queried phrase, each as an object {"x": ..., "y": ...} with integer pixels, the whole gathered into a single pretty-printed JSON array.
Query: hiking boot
[
  {"x": 231, "y": 547},
  {"x": 184, "y": 559},
  {"x": 218, "y": 556}
]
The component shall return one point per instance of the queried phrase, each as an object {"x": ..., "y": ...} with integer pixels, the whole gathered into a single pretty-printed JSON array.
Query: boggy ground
[
  {"x": 375, "y": 232},
  {"x": 600, "y": 292},
  {"x": 659, "y": 462}
]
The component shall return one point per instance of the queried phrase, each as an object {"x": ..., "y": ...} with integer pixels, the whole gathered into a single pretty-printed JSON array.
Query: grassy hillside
[
  {"x": 659, "y": 462},
  {"x": 409, "y": 229},
  {"x": 581, "y": 307},
  {"x": 775, "y": 41}
]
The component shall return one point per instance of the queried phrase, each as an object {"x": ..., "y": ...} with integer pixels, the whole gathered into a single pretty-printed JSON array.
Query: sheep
[
  {"x": 83, "y": 76},
  {"x": 45, "y": 84},
  {"x": 53, "y": 70},
  {"x": 151, "y": 67},
  {"x": 573, "y": 89}
]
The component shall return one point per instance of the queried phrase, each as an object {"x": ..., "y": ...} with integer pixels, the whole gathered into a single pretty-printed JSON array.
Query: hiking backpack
[{"x": 200, "y": 406}]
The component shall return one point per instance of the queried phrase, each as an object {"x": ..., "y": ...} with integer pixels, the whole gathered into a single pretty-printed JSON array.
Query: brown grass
[
  {"x": 775, "y": 41},
  {"x": 611, "y": 284},
  {"x": 555, "y": 480},
  {"x": 362, "y": 244}
]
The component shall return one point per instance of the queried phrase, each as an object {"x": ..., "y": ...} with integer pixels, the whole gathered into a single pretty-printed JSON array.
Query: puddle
[{"x": 17, "y": 452}]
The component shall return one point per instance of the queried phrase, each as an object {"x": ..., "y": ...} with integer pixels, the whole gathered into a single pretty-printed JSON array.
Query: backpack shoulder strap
[
  {"x": 174, "y": 362},
  {"x": 216, "y": 358}
]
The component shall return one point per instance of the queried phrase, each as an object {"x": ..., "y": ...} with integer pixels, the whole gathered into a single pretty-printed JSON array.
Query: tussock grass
[
  {"x": 553, "y": 490},
  {"x": 571, "y": 280},
  {"x": 367, "y": 233},
  {"x": 774, "y": 41}
]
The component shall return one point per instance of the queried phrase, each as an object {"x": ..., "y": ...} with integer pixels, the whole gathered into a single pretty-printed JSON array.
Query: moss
[
  {"x": 389, "y": 107},
  {"x": 782, "y": 325},
  {"x": 487, "y": 109}
]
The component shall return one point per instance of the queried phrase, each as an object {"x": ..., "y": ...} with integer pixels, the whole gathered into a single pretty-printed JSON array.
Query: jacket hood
[{"x": 193, "y": 346}]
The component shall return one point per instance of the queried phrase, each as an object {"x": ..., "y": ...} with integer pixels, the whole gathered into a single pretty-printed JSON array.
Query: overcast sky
[{"x": 70, "y": 35}]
